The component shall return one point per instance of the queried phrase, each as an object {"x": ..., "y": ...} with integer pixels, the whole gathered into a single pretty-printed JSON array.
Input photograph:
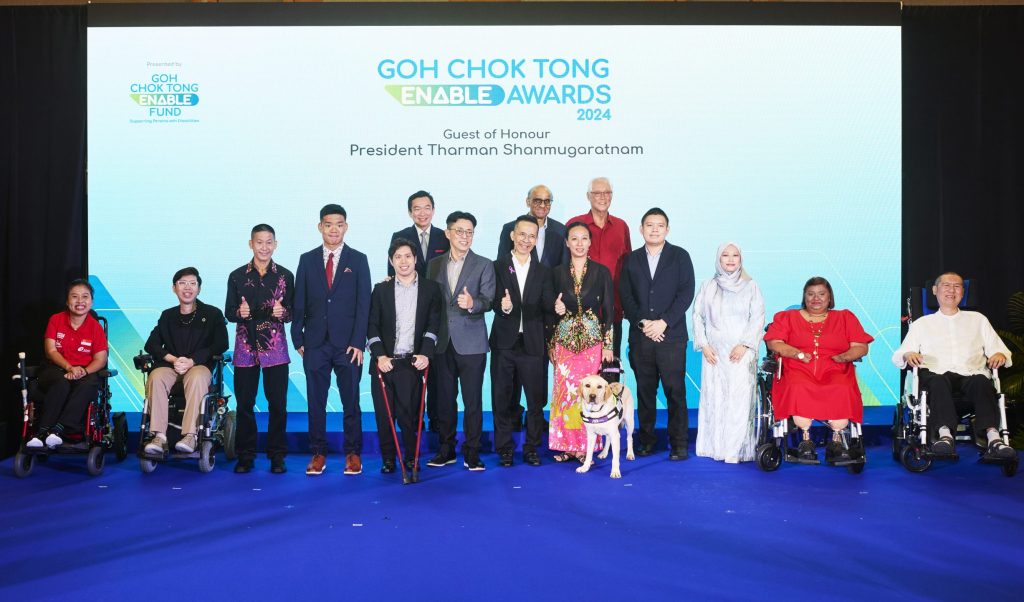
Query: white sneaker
[
  {"x": 53, "y": 440},
  {"x": 157, "y": 446},
  {"x": 187, "y": 444},
  {"x": 34, "y": 443}
]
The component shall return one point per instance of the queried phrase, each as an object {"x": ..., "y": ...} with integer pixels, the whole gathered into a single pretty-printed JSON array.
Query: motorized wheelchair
[
  {"x": 104, "y": 430},
  {"x": 777, "y": 441},
  {"x": 911, "y": 439},
  {"x": 216, "y": 423}
]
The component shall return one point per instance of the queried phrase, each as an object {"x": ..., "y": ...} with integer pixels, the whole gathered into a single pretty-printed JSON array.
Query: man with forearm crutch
[{"x": 405, "y": 314}]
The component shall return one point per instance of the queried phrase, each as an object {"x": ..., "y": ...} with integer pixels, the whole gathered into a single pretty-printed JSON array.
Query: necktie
[
  {"x": 330, "y": 270},
  {"x": 423, "y": 244}
]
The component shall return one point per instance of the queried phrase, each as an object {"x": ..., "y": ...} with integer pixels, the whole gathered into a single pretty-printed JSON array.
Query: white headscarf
[{"x": 736, "y": 281}]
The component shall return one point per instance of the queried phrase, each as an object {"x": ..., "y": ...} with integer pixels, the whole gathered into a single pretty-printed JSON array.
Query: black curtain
[
  {"x": 963, "y": 148},
  {"x": 42, "y": 178}
]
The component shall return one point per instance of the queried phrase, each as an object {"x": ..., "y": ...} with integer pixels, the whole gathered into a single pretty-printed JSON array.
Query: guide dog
[{"x": 605, "y": 408}]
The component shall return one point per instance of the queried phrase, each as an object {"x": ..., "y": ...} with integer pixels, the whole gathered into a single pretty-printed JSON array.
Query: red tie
[{"x": 330, "y": 270}]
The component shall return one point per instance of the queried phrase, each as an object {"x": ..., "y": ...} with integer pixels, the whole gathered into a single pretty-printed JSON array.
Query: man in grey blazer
[{"x": 467, "y": 284}]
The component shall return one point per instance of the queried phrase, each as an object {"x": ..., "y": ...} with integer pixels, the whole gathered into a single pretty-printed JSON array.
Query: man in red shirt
[{"x": 609, "y": 244}]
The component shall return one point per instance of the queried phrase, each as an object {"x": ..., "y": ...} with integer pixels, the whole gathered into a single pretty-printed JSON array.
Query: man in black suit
[
  {"x": 428, "y": 242},
  {"x": 656, "y": 289},
  {"x": 405, "y": 315},
  {"x": 550, "y": 250},
  {"x": 523, "y": 290}
]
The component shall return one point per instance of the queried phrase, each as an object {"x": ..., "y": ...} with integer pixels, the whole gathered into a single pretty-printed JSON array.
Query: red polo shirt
[
  {"x": 76, "y": 346},
  {"x": 609, "y": 246}
]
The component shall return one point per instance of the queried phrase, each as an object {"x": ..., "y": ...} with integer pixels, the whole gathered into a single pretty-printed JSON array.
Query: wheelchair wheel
[
  {"x": 769, "y": 457},
  {"x": 95, "y": 460},
  {"x": 897, "y": 433},
  {"x": 120, "y": 445},
  {"x": 24, "y": 463},
  {"x": 1010, "y": 468},
  {"x": 913, "y": 462},
  {"x": 147, "y": 466},
  {"x": 207, "y": 457},
  {"x": 230, "y": 428}
]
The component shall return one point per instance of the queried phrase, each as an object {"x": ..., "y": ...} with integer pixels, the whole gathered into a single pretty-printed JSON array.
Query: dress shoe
[
  {"x": 409, "y": 465},
  {"x": 943, "y": 446},
  {"x": 243, "y": 466},
  {"x": 317, "y": 465},
  {"x": 474, "y": 464},
  {"x": 644, "y": 450},
  {"x": 441, "y": 459},
  {"x": 387, "y": 466},
  {"x": 353, "y": 465},
  {"x": 532, "y": 458},
  {"x": 277, "y": 465},
  {"x": 678, "y": 453},
  {"x": 805, "y": 451},
  {"x": 505, "y": 458}
]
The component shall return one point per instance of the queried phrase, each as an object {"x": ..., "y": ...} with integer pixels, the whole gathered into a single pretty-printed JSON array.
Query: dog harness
[{"x": 614, "y": 414}]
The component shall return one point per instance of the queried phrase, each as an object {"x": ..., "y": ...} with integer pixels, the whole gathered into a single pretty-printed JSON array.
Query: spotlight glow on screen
[{"x": 784, "y": 139}]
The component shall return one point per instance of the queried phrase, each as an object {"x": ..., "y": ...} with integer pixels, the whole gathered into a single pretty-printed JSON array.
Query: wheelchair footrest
[
  {"x": 987, "y": 459},
  {"x": 794, "y": 457}
]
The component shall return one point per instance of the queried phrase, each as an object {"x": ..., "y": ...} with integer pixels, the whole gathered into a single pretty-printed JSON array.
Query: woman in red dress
[{"x": 817, "y": 345}]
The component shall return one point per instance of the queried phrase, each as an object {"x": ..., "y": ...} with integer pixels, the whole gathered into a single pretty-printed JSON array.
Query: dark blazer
[
  {"x": 437, "y": 244},
  {"x": 383, "y": 319},
  {"x": 665, "y": 297},
  {"x": 214, "y": 339},
  {"x": 597, "y": 293},
  {"x": 530, "y": 304},
  {"x": 341, "y": 311},
  {"x": 555, "y": 251},
  {"x": 465, "y": 329}
]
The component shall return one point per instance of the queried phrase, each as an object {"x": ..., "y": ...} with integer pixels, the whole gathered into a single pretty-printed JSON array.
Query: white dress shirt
[
  {"x": 960, "y": 343},
  {"x": 337, "y": 256},
  {"x": 522, "y": 271},
  {"x": 541, "y": 235}
]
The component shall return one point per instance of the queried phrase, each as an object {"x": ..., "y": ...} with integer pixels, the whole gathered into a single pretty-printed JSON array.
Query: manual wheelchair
[
  {"x": 104, "y": 430},
  {"x": 777, "y": 440},
  {"x": 216, "y": 423}
]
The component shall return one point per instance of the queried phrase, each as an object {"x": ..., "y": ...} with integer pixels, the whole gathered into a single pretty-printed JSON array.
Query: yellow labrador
[{"x": 605, "y": 408}]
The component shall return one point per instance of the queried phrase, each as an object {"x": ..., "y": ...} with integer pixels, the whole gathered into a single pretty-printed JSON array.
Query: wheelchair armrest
[
  {"x": 223, "y": 357},
  {"x": 107, "y": 373},
  {"x": 143, "y": 363}
]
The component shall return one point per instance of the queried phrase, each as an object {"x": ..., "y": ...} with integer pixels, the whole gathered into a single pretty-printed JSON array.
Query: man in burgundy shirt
[{"x": 609, "y": 241}]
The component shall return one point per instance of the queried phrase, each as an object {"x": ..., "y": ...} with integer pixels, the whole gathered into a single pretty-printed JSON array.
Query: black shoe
[
  {"x": 409, "y": 465},
  {"x": 243, "y": 466},
  {"x": 806, "y": 450},
  {"x": 277, "y": 466},
  {"x": 1000, "y": 450},
  {"x": 531, "y": 457},
  {"x": 836, "y": 452},
  {"x": 644, "y": 450},
  {"x": 943, "y": 446},
  {"x": 474, "y": 464},
  {"x": 387, "y": 466},
  {"x": 678, "y": 453},
  {"x": 505, "y": 458},
  {"x": 441, "y": 459}
]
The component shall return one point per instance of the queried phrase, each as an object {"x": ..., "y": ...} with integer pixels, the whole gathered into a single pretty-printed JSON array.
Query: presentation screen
[{"x": 781, "y": 137}]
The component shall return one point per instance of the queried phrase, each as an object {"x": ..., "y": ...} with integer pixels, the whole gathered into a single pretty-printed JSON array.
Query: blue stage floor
[{"x": 698, "y": 529}]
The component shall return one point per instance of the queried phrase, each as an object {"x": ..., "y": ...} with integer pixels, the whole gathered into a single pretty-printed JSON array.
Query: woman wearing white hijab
[{"x": 728, "y": 323}]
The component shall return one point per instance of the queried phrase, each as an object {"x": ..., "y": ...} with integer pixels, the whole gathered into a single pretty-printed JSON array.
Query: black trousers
[
  {"x": 65, "y": 401},
  {"x": 275, "y": 388},
  {"x": 507, "y": 367},
  {"x": 665, "y": 362},
  {"x": 617, "y": 339},
  {"x": 404, "y": 386},
  {"x": 978, "y": 395},
  {"x": 454, "y": 369},
  {"x": 319, "y": 363}
]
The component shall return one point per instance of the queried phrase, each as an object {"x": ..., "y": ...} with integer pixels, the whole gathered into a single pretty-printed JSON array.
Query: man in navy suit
[
  {"x": 332, "y": 308},
  {"x": 656, "y": 289},
  {"x": 550, "y": 251},
  {"x": 467, "y": 285},
  {"x": 428, "y": 242},
  {"x": 518, "y": 342}
]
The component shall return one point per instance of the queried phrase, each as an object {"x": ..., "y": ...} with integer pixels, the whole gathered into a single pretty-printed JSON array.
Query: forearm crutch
[
  {"x": 391, "y": 422},
  {"x": 419, "y": 427}
]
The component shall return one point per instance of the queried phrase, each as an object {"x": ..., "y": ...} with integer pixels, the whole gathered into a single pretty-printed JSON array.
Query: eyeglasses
[
  {"x": 526, "y": 236},
  {"x": 542, "y": 202},
  {"x": 188, "y": 283},
  {"x": 461, "y": 232},
  {"x": 600, "y": 192}
]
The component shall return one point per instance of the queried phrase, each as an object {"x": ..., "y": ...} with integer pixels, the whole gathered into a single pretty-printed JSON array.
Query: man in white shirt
[{"x": 954, "y": 351}]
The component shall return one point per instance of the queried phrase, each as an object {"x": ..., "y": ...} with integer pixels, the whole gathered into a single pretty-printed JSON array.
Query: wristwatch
[{"x": 800, "y": 356}]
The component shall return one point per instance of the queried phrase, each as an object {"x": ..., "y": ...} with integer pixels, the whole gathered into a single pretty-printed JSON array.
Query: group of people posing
[{"x": 558, "y": 294}]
